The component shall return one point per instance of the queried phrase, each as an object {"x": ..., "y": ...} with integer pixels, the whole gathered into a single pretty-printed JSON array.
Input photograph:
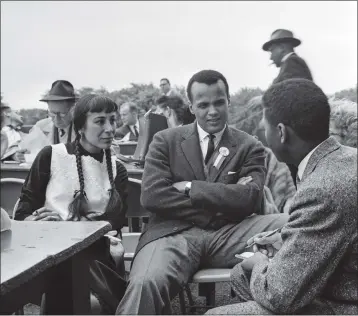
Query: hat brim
[
  {"x": 57, "y": 98},
  {"x": 294, "y": 41}
]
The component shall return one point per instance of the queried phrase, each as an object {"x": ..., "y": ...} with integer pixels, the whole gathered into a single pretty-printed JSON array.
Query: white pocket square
[{"x": 231, "y": 172}]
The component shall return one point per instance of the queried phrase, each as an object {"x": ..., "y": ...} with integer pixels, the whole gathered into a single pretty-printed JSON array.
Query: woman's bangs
[{"x": 103, "y": 104}]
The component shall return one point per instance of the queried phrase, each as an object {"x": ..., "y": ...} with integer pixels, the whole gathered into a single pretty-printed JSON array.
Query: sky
[{"x": 112, "y": 44}]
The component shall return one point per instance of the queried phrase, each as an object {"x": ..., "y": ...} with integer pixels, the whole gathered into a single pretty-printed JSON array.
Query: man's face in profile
[
  {"x": 164, "y": 86},
  {"x": 210, "y": 105},
  {"x": 127, "y": 117}
]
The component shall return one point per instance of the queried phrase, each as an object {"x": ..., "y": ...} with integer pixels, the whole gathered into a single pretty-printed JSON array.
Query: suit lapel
[
  {"x": 192, "y": 151},
  {"x": 325, "y": 148},
  {"x": 228, "y": 142}
]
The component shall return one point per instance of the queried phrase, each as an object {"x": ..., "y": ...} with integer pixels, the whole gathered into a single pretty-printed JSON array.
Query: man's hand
[
  {"x": 111, "y": 235},
  {"x": 249, "y": 263},
  {"x": 180, "y": 186},
  {"x": 44, "y": 214},
  {"x": 266, "y": 245},
  {"x": 244, "y": 180},
  {"x": 19, "y": 156}
]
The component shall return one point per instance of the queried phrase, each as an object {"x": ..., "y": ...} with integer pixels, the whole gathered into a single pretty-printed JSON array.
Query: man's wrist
[{"x": 187, "y": 189}]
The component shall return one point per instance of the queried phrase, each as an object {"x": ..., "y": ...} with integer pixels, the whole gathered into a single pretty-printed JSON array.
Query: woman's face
[{"x": 98, "y": 131}]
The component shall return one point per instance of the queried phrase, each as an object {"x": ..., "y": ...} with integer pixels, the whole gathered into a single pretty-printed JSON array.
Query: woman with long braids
[{"x": 81, "y": 181}]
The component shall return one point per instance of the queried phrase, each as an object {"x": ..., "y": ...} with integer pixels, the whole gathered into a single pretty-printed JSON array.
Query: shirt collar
[
  {"x": 203, "y": 134},
  {"x": 136, "y": 124},
  {"x": 303, "y": 164},
  {"x": 284, "y": 58}
]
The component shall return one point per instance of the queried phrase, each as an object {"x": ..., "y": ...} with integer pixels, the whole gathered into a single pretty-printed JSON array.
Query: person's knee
[{"x": 149, "y": 281}]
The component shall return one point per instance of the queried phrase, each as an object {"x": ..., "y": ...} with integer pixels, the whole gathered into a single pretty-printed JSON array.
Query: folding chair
[{"x": 10, "y": 192}]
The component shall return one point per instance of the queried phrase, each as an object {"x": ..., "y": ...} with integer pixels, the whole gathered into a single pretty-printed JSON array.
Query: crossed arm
[{"x": 161, "y": 196}]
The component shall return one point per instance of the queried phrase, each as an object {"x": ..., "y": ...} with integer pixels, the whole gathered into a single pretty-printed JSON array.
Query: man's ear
[
  {"x": 282, "y": 129},
  {"x": 191, "y": 108}
]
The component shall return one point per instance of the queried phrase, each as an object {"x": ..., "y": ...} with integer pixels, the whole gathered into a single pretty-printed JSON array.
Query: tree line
[{"x": 143, "y": 94}]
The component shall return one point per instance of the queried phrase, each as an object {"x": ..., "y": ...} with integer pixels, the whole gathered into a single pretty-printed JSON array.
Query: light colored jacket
[{"x": 47, "y": 127}]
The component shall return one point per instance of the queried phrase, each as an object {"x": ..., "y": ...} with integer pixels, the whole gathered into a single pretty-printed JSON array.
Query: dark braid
[
  {"x": 79, "y": 206},
  {"x": 115, "y": 202}
]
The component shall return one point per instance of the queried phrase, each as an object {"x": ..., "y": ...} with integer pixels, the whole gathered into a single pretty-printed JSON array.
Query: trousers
[{"x": 163, "y": 267}]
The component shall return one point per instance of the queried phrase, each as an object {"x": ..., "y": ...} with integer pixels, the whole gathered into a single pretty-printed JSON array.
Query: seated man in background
[
  {"x": 13, "y": 129},
  {"x": 58, "y": 127},
  {"x": 344, "y": 121},
  {"x": 202, "y": 182},
  {"x": 314, "y": 258},
  {"x": 129, "y": 131}
]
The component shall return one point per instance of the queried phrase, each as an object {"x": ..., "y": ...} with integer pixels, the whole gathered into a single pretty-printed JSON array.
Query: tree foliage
[{"x": 242, "y": 114}]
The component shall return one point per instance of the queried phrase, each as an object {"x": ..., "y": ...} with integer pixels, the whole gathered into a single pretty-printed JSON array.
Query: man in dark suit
[
  {"x": 281, "y": 46},
  {"x": 202, "y": 182},
  {"x": 129, "y": 131},
  {"x": 314, "y": 269}
]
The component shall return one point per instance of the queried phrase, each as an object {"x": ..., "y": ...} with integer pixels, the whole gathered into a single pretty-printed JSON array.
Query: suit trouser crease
[{"x": 162, "y": 267}]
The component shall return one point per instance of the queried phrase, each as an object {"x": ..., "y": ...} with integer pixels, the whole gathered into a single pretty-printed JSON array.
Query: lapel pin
[{"x": 223, "y": 153}]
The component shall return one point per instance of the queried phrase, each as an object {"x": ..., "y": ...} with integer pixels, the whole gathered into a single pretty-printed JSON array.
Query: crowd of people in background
[{"x": 211, "y": 189}]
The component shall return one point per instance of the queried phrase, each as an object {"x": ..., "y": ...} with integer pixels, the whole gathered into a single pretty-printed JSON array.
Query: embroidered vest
[{"x": 64, "y": 182}]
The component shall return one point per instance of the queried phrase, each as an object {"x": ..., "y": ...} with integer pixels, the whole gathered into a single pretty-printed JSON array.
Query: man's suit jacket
[
  {"x": 175, "y": 155},
  {"x": 293, "y": 67},
  {"x": 317, "y": 264},
  {"x": 123, "y": 131}
]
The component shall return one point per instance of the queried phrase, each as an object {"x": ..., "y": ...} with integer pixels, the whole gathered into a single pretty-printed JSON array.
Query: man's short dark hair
[
  {"x": 300, "y": 104},
  {"x": 162, "y": 99},
  {"x": 166, "y": 79},
  {"x": 208, "y": 77}
]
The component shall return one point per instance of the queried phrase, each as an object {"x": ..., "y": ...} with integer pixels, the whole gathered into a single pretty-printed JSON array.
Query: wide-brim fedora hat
[
  {"x": 60, "y": 90},
  {"x": 281, "y": 36}
]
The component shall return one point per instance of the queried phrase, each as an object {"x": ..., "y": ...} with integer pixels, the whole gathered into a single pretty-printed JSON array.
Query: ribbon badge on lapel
[{"x": 223, "y": 153}]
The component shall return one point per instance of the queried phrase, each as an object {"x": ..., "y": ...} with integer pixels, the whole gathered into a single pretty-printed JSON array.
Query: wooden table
[
  {"x": 14, "y": 171},
  {"x": 126, "y": 148},
  {"x": 52, "y": 258},
  {"x": 17, "y": 171}
]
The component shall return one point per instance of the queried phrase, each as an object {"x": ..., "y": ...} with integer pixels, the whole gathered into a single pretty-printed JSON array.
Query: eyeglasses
[{"x": 60, "y": 114}]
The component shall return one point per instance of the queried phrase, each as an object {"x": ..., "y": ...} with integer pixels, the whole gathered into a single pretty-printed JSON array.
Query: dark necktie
[
  {"x": 62, "y": 132},
  {"x": 298, "y": 181},
  {"x": 135, "y": 131},
  {"x": 211, "y": 148}
]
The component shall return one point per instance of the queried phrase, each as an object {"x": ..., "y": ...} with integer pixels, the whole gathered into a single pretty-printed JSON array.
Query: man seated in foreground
[
  {"x": 202, "y": 182},
  {"x": 314, "y": 266}
]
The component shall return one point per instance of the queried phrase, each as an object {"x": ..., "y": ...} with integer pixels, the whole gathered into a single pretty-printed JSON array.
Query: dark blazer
[
  {"x": 175, "y": 155},
  {"x": 293, "y": 67},
  {"x": 123, "y": 131},
  {"x": 317, "y": 264}
]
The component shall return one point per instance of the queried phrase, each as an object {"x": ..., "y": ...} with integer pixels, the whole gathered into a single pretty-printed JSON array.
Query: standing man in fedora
[
  {"x": 58, "y": 127},
  {"x": 281, "y": 46}
]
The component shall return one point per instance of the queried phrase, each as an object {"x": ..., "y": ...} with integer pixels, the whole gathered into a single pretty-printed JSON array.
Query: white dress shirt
[
  {"x": 303, "y": 164},
  {"x": 127, "y": 136},
  {"x": 204, "y": 139}
]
